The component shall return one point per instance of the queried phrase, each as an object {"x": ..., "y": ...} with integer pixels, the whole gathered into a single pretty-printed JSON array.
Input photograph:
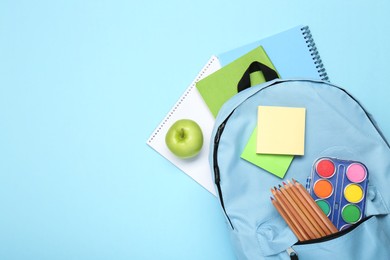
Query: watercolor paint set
[{"x": 339, "y": 188}]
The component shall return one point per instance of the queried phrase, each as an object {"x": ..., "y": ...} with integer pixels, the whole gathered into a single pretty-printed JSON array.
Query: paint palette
[{"x": 339, "y": 188}]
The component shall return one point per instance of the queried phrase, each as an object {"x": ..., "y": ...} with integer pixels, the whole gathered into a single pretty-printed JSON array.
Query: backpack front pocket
[{"x": 363, "y": 240}]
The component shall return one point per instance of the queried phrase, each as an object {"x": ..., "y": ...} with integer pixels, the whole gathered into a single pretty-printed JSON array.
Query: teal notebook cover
[{"x": 293, "y": 53}]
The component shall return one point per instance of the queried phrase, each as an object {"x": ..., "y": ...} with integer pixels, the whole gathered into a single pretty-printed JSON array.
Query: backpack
[{"x": 337, "y": 126}]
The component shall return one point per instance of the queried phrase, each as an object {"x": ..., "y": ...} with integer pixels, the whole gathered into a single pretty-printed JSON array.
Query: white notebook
[{"x": 190, "y": 106}]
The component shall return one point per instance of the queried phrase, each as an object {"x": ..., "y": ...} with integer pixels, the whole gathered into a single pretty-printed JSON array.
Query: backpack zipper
[
  {"x": 217, "y": 178},
  {"x": 334, "y": 235},
  {"x": 293, "y": 254}
]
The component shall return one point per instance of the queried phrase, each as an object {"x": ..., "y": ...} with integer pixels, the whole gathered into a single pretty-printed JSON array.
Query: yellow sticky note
[{"x": 281, "y": 130}]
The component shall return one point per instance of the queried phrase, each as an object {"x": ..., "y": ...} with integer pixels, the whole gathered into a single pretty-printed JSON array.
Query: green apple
[{"x": 184, "y": 138}]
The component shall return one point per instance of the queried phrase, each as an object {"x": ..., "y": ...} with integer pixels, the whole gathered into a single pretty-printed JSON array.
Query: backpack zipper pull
[
  {"x": 219, "y": 132},
  {"x": 291, "y": 252}
]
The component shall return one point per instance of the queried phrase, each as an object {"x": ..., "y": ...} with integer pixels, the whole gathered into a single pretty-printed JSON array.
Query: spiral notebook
[{"x": 294, "y": 55}]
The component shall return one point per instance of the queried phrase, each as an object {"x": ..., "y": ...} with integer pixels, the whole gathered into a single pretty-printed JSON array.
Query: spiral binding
[{"x": 314, "y": 53}]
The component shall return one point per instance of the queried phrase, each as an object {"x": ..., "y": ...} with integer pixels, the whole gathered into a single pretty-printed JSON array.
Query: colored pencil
[
  {"x": 285, "y": 198},
  {"x": 313, "y": 205},
  {"x": 308, "y": 211},
  {"x": 301, "y": 213},
  {"x": 306, "y": 216},
  {"x": 293, "y": 215},
  {"x": 288, "y": 220}
]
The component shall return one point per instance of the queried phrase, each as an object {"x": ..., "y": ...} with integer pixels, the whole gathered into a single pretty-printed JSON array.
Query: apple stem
[{"x": 182, "y": 133}]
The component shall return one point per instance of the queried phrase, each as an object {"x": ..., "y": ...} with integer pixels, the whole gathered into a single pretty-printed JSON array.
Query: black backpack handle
[{"x": 245, "y": 81}]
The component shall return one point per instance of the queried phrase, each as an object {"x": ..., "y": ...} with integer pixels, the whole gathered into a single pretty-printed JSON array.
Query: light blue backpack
[{"x": 336, "y": 126}]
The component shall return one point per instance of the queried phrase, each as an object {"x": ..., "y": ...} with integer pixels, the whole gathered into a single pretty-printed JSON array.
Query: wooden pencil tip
[
  {"x": 280, "y": 186},
  {"x": 272, "y": 198},
  {"x": 275, "y": 188},
  {"x": 295, "y": 181}
]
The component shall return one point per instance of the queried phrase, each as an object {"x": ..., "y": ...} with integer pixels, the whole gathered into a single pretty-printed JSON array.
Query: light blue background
[{"x": 84, "y": 83}]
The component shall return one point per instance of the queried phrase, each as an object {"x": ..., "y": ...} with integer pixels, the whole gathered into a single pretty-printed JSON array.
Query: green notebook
[{"x": 218, "y": 87}]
